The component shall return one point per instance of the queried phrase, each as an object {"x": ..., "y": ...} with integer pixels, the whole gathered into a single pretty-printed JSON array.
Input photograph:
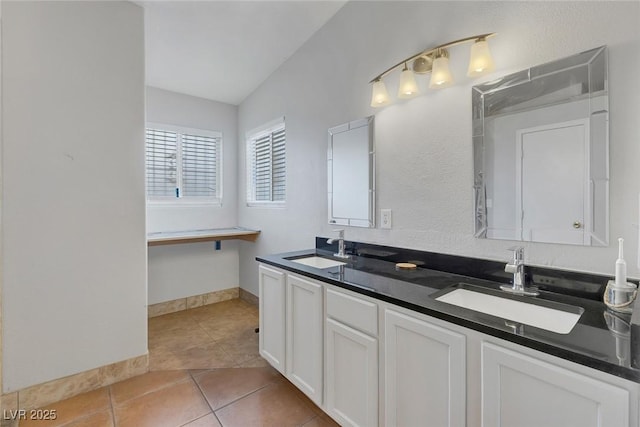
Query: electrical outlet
[{"x": 385, "y": 218}]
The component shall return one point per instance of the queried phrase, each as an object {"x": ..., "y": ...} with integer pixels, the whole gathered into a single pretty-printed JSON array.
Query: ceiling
[{"x": 223, "y": 50}]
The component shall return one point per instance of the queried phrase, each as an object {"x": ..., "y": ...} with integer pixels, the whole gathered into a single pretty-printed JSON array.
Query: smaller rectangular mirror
[{"x": 351, "y": 174}]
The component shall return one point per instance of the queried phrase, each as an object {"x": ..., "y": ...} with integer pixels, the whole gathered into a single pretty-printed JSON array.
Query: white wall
[
  {"x": 73, "y": 208},
  {"x": 424, "y": 152},
  {"x": 1, "y": 230},
  {"x": 179, "y": 271}
]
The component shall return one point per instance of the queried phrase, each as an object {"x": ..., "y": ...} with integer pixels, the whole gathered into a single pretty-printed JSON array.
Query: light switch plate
[{"x": 385, "y": 218}]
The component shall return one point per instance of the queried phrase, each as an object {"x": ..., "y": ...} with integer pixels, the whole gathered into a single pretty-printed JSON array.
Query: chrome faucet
[
  {"x": 516, "y": 266},
  {"x": 340, "y": 240}
]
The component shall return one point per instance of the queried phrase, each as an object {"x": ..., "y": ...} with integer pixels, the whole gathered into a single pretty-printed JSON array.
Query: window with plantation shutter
[
  {"x": 266, "y": 165},
  {"x": 183, "y": 165}
]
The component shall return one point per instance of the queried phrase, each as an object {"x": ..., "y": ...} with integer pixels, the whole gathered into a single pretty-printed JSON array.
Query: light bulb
[
  {"x": 379, "y": 94},
  {"x": 480, "y": 60},
  {"x": 440, "y": 74},
  {"x": 408, "y": 87}
]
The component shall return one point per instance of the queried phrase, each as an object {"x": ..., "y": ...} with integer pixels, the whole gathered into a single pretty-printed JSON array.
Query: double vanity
[
  {"x": 457, "y": 341},
  {"x": 442, "y": 344}
]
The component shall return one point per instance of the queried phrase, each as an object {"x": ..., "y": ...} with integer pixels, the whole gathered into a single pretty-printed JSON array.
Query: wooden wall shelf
[{"x": 196, "y": 236}]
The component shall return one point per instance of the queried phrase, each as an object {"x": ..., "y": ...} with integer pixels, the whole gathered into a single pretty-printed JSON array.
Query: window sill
[
  {"x": 183, "y": 203},
  {"x": 268, "y": 205}
]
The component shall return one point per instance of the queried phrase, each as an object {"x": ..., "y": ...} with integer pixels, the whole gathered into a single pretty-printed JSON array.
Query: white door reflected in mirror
[{"x": 555, "y": 183}]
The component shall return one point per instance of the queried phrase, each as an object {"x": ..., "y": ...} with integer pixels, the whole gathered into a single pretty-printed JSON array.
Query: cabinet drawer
[{"x": 353, "y": 311}]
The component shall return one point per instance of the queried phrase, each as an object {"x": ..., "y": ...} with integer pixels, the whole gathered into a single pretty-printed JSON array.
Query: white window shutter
[
  {"x": 266, "y": 160},
  {"x": 278, "y": 170},
  {"x": 262, "y": 169},
  {"x": 200, "y": 166},
  {"x": 161, "y": 163}
]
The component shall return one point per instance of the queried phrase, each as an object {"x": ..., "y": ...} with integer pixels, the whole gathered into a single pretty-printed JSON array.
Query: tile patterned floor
[{"x": 205, "y": 372}]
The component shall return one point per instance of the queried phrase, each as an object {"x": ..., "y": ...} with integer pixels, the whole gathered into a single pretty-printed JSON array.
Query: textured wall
[
  {"x": 75, "y": 253},
  {"x": 424, "y": 156}
]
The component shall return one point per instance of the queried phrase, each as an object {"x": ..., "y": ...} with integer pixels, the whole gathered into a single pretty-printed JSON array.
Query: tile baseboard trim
[
  {"x": 181, "y": 304},
  {"x": 248, "y": 297},
  {"x": 50, "y": 392}
]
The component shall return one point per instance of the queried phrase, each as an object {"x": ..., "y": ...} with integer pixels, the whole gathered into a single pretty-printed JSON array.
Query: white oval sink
[
  {"x": 318, "y": 262},
  {"x": 550, "y": 319}
]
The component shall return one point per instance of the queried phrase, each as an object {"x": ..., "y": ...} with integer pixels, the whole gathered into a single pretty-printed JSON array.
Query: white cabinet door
[
  {"x": 352, "y": 376},
  {"x": 425, "y": 373},
  {"x": 518, "y": 390},
  {"x": 305, "y": 336},
  {"x": 272, "y": 293}
]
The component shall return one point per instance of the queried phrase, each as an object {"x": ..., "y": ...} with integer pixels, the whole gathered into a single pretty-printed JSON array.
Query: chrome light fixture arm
[
  {"x": 431, "y": 52},
  {"x": 436, "y": 61}
]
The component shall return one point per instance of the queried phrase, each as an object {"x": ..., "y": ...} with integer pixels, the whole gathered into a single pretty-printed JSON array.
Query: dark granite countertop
[{"x": 590, "y": 343}]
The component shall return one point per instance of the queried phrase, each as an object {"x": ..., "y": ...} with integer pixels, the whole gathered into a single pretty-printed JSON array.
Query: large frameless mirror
[
  {"x": 351, "y": 174},
  {"x": 541, "y": 153}
]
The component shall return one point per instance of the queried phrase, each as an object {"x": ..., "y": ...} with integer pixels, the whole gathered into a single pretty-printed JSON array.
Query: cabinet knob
[{"x": 577, "y": 224}]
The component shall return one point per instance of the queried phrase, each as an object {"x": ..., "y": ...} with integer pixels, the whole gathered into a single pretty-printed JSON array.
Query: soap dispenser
[{"x": 619, "y": 294}]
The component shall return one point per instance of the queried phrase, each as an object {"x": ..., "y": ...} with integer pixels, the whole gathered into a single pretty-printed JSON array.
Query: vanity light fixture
[
  {"x": 440, "y": 73},
  {"x": 480, "y": 61},
  {"x": 379, "y": 96},
  {"x": 408, "y": 86},
  {"x": 436, "y": 62}
]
